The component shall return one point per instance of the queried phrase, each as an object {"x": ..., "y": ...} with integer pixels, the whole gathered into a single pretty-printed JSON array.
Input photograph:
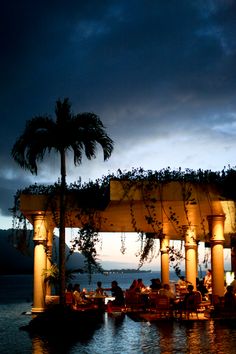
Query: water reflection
[
  {"x": 206, "y": 337},
  {"x": 39, "y": 346},
  {"x": 62, "y": 339},
  {"x": 123, "y": 335},
  {"x": 187, "y": 337},
  {"x": 223, "y": 336},
  {"x": 166, "y": 338},
  {"x": 116, "y": 323},
  {"x": 158, "y": 337},
  {"x": 195, "y": 339}
]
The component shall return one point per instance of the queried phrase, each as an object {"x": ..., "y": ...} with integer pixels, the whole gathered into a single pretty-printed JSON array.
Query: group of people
[
  {"x": 229, "y": 299},
  {"x": 75, "y": 297},
  {"x": 156, "y": 286},
  {"x": 204, "y": 286}
]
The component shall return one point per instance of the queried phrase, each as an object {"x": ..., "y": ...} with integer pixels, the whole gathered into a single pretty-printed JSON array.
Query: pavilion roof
[{"x": 141, "y": 206}]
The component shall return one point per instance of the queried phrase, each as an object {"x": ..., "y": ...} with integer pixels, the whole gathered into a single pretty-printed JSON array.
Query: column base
[{"x": 38, "y": 309}]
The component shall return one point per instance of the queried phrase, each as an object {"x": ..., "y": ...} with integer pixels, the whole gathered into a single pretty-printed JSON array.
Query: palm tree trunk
[{"x": 62, "y": 231}]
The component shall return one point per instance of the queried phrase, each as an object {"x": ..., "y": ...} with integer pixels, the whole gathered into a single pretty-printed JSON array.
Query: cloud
[{"x": 161, "y": 75}]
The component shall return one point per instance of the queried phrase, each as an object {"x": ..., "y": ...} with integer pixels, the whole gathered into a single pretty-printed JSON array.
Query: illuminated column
[
  {"x": 216, "y": 228},
  {"x": 165, "y": 272},
  {"x": 191, "y": 255},
  {"x": 233, "y": 254},
  {"x": 40, "y": 263},
  {"x": 197, "y": 263},
  {"x": 49, "y": 257}
]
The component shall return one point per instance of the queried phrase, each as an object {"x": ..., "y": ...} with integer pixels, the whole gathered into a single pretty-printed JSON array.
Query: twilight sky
[{"x": 160, "y": 74}]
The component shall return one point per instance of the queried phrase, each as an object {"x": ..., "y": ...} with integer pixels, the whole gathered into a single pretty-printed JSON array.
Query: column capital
[
  {"x": 216, "y": 217},
  {"x": 40, "y": 232},
  {"x": 39, "y": 242},
  {"x": 216, "y": 227},
  {"x": 214, "y": 241},
  {"x": 164, "y": 250},
  {"x": 38, "y": 216},
  {"x": 189, "y": 246}
]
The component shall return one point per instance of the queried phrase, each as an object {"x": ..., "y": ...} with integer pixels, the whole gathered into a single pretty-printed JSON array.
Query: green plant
[
  {"x": 94, "y": 196},
  {"x": 85, "y": 242},
  {"x": 80, "y": 133},
  {"x": 52, "y": 277}
]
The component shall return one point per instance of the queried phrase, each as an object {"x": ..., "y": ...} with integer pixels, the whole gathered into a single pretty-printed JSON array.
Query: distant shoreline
[
  {"x": 120, "y": 271},
  {"x": 106, "y": 272}
]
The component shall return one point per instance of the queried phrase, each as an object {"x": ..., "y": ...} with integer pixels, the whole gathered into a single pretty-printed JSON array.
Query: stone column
[
  {"x": 40, "y": 263},
  {"x": 233, "y": 254},
  {"x": 197, "y": 260},
  {"x": 191, "y": 255},
  {"x": 165, "y": 272},
  {"x": 216, "y": 228},
  {"x": 49, "y": 257}
]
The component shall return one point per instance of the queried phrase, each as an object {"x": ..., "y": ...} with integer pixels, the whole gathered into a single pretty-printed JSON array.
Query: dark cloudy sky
[{"x": 160, "y": 74}]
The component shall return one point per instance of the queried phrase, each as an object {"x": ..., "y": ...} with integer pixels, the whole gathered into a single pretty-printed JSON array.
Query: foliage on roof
[
  {"x": 224, "y": 179},
  {"x": 95, "y": 195}
]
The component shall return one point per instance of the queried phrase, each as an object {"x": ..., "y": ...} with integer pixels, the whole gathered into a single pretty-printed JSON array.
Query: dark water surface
[{"x": 111, "y": 335}]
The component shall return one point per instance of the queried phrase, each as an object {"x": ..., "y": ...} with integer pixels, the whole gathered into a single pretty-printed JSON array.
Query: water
[
  {"x": 124, "y": 279},
  {"x": 110, "y": 335}
]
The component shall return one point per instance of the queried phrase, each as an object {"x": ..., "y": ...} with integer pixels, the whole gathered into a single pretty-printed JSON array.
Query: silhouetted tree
[{"x": 80, "y": 133}]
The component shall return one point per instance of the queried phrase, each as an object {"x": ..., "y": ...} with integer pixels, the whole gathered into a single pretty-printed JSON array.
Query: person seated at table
[
  {"x": 208, "y": 281},
  {"x": 229, "y": 299},
  {"x": 189, "y": 299},
  {"x": 188, "y": 302},
  {"x": 182, "y": 282},
  {"x": 202, "y": 288},
  {"x": 117, "y": 293},
  {"x": 134, "y": 296},
  {"x": 79, "y": 298},
  {"x": 99, "y": 298},
  {"x": 99, "y": 290},
  {"x": 69, "y": 295},
  {"x": 133, "y": 286},
  {"x": 167, "y": 292},
  {"x": 140, "y": 286},
  {"x": 155, "y": 284},
  {"x": 233, "y": 284}
]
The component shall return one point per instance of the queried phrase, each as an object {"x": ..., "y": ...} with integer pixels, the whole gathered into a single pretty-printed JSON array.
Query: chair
[
  {"x": 180, "y": 291},
  {"x": 160, "y": 304},
  {"x": 193, "y": 304},
  {"x": 69, "y": 298},
  {"x": 134, "y": 301}
]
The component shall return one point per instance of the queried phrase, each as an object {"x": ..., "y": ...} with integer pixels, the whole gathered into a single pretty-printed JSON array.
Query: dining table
[{"x": 98, "y": 298}]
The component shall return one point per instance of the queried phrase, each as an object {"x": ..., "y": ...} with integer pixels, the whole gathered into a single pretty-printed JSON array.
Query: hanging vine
[
  {"x": 147, "y": 249},
  {"x": 95, "y": 196},
  {"x": 86, "y": 242},
  {"x": 175, "y": 258},
  {"x": 122, "y": 238}
]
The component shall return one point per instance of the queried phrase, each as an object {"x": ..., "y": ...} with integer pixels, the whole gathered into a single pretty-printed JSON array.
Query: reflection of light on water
[
  {"x": 114, "y": 335},
  {"x": 38, "y": 346},
  {"x": 186, "y": 337},
  {"x": 211, "y": 335},
  {"x": 194, "y": 339}
]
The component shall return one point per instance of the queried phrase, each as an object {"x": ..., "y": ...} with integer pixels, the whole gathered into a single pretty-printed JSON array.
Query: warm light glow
[{"x": 229, "y": 277}]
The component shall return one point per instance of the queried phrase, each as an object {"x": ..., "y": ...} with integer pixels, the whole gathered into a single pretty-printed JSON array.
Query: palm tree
[{"x": 80, "y": 133}]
